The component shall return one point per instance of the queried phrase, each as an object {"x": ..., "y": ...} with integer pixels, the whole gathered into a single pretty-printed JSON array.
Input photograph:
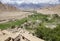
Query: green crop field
[{"x": 9, "y": 24}]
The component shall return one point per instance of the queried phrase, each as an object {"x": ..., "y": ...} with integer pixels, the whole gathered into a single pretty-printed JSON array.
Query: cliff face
[{"x": 4, "y": 7}]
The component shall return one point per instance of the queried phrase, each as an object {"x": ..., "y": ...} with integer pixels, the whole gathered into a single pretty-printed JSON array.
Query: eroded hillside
[
  {"x": 4, "y": 7},
  {"x": 50, "y": 10}
]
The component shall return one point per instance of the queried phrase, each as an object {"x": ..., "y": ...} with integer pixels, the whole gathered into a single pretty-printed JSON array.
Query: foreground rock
[{"x": 17, "y": 35}]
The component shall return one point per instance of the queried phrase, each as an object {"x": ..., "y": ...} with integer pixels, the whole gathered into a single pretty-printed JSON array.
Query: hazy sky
[{"x": 31, "y": 1}]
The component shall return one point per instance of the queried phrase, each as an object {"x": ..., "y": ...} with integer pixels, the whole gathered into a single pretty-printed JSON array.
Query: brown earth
[
  {"x": 10, "y": 13},
  {"x": 50, "y": 10}
]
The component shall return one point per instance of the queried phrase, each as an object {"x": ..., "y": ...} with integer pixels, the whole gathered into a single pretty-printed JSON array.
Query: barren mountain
[
  {"x": 50, "y": 10},
  {"x": 4, "y": 7}
]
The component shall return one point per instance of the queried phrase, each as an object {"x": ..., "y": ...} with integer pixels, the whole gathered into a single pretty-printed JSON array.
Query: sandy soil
[
  {"x": 13, "y": 15},
  {"x": 7, "y": 16},
  {"x": 45, "y": 11},
  {"x": 50, "y": 10}
]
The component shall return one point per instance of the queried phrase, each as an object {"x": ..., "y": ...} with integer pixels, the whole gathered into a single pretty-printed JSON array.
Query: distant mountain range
[
  {"x": 32, "y": 6},
  {"x": 24, "y": 6}
]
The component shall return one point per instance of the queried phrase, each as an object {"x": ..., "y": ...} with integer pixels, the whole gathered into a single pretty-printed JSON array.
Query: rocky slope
[
  {"x": 4, "y": 7},
  {"x": 50, "y": 10}
]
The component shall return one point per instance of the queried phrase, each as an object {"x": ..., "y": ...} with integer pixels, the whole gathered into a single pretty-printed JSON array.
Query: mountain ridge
[
  {"x": 32, "y": 6},
  {"x": 5, "y": 7}
]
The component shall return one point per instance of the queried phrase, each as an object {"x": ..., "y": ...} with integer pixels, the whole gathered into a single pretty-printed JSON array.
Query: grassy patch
[{"x": 9, "y": 24}]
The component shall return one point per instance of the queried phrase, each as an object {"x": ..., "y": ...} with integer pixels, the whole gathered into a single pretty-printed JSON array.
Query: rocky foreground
[{"x": 17, "y": 34}]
